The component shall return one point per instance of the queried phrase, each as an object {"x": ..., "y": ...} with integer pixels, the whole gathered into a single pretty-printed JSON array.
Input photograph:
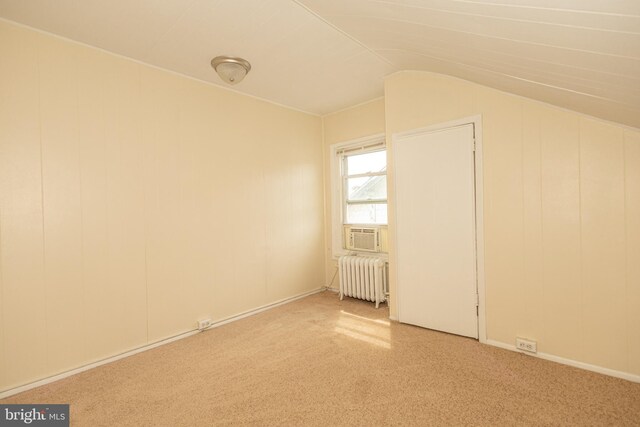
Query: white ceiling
[{"x": 323, "y": 55}]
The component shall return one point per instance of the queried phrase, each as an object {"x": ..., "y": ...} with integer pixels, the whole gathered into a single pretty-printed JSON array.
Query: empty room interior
[{"x": 320, "y": 212}]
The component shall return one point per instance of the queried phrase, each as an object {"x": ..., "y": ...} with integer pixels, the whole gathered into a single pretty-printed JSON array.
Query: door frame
[{"x": 476, "y": 121}]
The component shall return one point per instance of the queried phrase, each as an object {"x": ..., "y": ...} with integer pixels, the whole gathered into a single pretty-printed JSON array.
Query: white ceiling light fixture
[{"x": 231, "y": 70}]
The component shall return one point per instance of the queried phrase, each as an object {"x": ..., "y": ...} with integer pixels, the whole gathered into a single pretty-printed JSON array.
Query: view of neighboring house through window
[{"x": 365, "y": 187}]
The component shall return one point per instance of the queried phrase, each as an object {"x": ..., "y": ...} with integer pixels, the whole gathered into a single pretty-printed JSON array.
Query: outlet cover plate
[
  {"x": 526, "y": 345},
  {"x": 204, "y": 324}
]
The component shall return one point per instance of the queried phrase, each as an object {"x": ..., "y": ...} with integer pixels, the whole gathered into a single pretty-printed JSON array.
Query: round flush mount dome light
[{"x": 231, "y": 70}]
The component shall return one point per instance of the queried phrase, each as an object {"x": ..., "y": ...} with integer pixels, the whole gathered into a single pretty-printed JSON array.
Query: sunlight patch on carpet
[{"x": 371, "y": 331}]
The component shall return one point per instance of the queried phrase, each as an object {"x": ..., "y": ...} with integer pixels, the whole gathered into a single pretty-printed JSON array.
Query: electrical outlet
[
  {"x": 204, "y": 324},
  {"x": 526, "y": 345}
]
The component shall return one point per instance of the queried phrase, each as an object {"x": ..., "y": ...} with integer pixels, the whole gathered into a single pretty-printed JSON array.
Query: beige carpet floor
[{"x": 321, "y": 361}]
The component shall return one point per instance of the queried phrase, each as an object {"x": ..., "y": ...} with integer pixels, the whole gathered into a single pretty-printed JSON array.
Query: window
[
  {"x": 364, "y": 184},
  {"x": 358, "y": 191}
]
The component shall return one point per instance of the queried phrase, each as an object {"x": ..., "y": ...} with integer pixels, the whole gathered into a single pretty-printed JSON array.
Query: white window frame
[
  {"x": 366, "y": 144},
  {"x": 345, "y": 179}
]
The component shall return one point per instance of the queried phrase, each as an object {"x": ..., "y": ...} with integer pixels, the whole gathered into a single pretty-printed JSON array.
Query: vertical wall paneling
[
  {"x": 61, "y": 204},
  {"x": 632, "y": 217},
  {"x": 561, "y": 273},
  {"x": 603, "y": 243},
  {"x": 222, "y": 259},
  {"x": 280, "y": 191},
  {"x": 295, "y": 189},
  {"x": 309, "y": 213},
  {"x": 531, "y": 319},
  {"x": 101, "y": 327},
  {"x": 503, "y": 201},
  {"x": 125, "y": 199},
  {"x": 161, "y": 138},
  {"x": 245, "y": 196},
  {"x": 21, "y": 229},
  {"x": 195, "y": 163}
]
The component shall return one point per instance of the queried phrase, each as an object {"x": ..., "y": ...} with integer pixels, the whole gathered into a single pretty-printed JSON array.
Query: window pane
[
  {"x": 366, "y": 163},
  {"x": 368, "y": 213},
  {"x": 367, "y": 188}
]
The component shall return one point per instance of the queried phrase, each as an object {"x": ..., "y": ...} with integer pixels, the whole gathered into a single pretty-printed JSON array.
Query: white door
[{"x": 435, "y": 230}]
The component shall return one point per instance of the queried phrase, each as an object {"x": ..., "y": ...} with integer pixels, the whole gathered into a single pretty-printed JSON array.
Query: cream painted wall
[
  {"x": 357, "y": 122},
  {"x": 562, "y": 217},
  {"x": 135, "y": 201}
]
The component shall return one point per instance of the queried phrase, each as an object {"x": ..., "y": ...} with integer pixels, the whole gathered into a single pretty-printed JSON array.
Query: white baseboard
[
  {"x": 594, "y": 368},
  {"x": 262, "y": 308},
  {"x": 327, "y": 288},
  {"x": 57, "y": 377}
]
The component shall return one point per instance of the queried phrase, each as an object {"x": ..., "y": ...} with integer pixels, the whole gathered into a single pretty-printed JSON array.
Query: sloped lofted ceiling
[
  {"x": 323, "y": 55},
  {"x": 579, "y": 54}
]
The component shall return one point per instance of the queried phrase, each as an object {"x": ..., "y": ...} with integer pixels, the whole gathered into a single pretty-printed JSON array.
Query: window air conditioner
[{"x": 363, "y": 239}]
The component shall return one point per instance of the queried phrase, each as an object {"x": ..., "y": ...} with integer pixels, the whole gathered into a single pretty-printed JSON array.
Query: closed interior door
[{"x": 436, "y": 230}]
